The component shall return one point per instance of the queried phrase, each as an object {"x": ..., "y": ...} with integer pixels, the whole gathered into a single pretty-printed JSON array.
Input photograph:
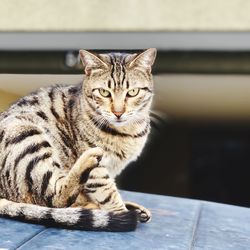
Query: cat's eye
[
  {"x": 104, "y": 93},
  {"x": 133, "y": 92}
]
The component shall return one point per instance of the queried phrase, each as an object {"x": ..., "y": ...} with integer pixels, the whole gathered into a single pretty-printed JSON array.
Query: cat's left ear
[
  {"x": 91, "y": 62},
  {"x": 145, "y": 59}
]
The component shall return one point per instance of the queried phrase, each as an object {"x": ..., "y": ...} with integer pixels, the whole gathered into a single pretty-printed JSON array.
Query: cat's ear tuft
[
  {"x": 145, "y": 59},
  {"x": 91, "y": 62}
]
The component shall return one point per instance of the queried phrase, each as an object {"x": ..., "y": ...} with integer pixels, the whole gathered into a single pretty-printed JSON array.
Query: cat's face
[{"x": 119, "y": 87}]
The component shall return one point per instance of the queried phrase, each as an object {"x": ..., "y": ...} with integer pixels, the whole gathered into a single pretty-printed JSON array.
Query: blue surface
[
  {"x": 176, "y": 224},
  {"x": 14, "y": 233}
]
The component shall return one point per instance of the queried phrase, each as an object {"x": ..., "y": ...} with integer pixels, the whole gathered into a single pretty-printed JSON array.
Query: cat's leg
[
  {"x": 144, "y": 213},
  {"x": 87, "y": 177},
  {"x": 68, "y": 188},
  {"x": 102, "y": 190},
  {"x": 84, "y": 202}
]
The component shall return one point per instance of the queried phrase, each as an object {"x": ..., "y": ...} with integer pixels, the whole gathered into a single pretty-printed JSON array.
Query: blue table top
[{"x": 176, "y": 224}]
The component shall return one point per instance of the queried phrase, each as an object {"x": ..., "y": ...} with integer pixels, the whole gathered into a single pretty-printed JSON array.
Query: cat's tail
[{"x": 71, "y": 218}]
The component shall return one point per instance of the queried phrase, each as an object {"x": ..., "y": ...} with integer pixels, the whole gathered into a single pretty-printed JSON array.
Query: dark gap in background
[{"x": 201, "y": 161}]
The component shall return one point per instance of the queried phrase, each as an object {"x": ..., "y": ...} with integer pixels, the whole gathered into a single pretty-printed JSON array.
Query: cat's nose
[{"x": 118, "y": 114}]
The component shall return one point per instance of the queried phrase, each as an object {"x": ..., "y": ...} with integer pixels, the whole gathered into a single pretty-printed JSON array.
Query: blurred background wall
[
  {"x": 129, "y": 15},
  {"x": 6, "y": 99}
]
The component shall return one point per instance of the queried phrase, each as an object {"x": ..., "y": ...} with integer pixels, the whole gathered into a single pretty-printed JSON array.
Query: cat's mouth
[{"x": 119, "y": 122}]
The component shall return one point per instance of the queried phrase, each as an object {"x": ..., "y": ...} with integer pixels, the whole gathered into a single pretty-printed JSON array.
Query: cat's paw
[
  {"x": 89, "y": 160},
  {"x": 96, "y": 153},
  {"x": 92, "y": 157},
  {"x": 144, "y": 215}
]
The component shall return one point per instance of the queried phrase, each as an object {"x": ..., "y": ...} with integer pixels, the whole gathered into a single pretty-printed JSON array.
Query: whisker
[{"x": 158, "y": 117}]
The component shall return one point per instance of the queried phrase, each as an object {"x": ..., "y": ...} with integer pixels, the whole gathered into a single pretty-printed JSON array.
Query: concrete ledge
[{"x": 226, "y": 41}]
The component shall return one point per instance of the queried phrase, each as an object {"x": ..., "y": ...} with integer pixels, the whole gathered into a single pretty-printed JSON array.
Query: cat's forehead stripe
[{"x": 118, "y": 72}]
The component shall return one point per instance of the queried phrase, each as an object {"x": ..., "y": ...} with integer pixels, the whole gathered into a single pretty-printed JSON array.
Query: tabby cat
[{"x": 62, "y": 146}]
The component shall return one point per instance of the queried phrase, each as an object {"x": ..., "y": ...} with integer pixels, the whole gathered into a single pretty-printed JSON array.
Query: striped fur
[
  {"x": 62, "y": 146},
  {"x": 72, "y": 218}
]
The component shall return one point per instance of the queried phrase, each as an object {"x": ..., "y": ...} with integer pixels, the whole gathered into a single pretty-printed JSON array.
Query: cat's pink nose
[{"x": 118, "y": 114}]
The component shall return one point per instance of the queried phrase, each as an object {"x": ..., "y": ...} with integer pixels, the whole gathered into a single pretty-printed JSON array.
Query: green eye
[
  {"x": 104, "y": 93},
  {"x": 133, "y": 92}
]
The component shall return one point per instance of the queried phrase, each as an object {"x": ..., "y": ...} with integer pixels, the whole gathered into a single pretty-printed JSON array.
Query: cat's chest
[{"x": 121, "y": 152}]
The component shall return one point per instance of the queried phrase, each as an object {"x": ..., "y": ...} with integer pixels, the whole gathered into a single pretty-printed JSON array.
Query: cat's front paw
[
  {"x": 96, "y": 153},
  {"x": 89, "y": 160},
  {"x": 144, "y": 215},
  {"x": 91, "y": 157}
]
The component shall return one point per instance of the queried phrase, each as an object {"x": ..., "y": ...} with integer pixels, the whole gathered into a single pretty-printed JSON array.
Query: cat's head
[{"x": 118, "y": 86}]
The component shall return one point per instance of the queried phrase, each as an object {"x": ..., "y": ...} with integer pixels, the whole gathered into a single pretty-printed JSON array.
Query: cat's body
[{"x": 62, "y": 146}]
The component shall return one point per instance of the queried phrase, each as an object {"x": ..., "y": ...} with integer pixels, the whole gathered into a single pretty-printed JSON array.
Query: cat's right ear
[{"x": 91, "y": 62}]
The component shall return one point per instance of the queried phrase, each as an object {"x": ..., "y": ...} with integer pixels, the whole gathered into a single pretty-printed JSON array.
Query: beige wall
[
  {"x": 124, "y": 15},
  {"x": 6, "y": 99},
  {"x": 218, "y": 97}
]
